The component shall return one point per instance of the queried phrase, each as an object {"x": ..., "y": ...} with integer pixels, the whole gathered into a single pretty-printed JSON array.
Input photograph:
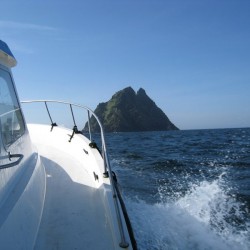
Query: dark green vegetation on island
[{"x": 128, "y": 111}]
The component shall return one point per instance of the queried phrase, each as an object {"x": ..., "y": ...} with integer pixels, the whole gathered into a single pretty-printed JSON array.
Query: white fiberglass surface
[
  {"x": 71, "y": 156},
  {"x": 74, "y": 215}
]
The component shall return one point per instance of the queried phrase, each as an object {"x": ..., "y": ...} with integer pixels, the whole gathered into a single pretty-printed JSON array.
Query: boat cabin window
[{"x": 11, "y": 120}]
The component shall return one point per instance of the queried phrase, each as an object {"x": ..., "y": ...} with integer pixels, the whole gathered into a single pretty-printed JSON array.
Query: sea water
[{"x": 185, "y": 189}]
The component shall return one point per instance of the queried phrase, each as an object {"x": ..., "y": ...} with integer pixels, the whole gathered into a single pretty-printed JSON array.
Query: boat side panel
[
  {"x": 21, "y": 212},
  {"x": 22, "y": 182}
]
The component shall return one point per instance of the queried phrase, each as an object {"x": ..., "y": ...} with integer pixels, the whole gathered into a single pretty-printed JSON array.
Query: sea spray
[
  {"x": 211, "y": 204},
  {"x": 167, "y": 226},
  {"x": 198, "y": 220}
]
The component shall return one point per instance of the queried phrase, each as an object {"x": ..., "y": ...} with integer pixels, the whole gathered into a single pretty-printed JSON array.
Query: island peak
[{"x": 130, "y": 111}]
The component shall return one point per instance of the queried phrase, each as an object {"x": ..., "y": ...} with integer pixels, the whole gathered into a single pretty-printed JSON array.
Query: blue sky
[{"x": 191, "y": 57}]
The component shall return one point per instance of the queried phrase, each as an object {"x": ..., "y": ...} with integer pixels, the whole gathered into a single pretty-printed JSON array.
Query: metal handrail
[
  {"x": 53, "y": 123},
  {"x": 107, "y": 168}
]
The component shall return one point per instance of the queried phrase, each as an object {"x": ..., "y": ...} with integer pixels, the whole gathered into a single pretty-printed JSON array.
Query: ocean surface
[{"x": 185, "y": 190}]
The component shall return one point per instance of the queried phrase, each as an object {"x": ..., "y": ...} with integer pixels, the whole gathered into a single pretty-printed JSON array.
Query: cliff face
[{"x": 129, "y": 111}]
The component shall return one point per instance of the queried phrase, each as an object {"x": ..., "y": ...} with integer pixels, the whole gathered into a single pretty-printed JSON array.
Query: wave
[{"x": 206, "y": 217}]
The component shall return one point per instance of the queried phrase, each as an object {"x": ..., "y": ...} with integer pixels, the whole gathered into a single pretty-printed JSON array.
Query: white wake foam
[{"x": 201, "y": 219}]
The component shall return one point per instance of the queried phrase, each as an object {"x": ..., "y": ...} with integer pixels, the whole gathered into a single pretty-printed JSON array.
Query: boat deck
[{"x": 74, "y": 214}]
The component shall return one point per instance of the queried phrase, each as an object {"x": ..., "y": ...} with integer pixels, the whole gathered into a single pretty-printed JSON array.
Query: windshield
[{"x": 11, "y": 121}]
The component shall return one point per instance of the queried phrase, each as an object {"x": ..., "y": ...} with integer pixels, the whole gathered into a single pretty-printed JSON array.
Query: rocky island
[{"x": 128, "y": 111}]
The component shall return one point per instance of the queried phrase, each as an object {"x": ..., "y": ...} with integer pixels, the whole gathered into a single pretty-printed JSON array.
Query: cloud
[
  {"x": 19, "y": 35},
  {"x": 25, "y": 26}
]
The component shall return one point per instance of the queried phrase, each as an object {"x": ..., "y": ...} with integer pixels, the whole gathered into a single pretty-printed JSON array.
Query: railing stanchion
[
  {"x": 53, "y": 124},
  {"x": 48, "y": 112},
  {"x": 89, "y": 126},
  {"x": 72, "y": 114}
]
